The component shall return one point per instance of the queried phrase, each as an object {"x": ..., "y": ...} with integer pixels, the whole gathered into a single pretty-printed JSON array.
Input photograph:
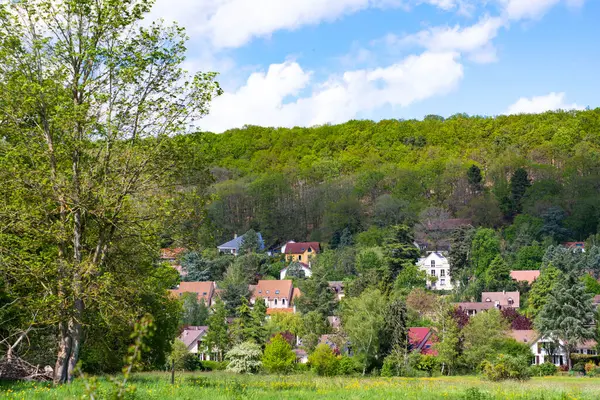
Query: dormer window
[
  {"x": 488, "y": 300},
  {"x": 260, "y": 291},
  {"x": 310, "y": 249},
  {"x": 203, "y": 293},
  {"x": 511, "y": 301},
  {"x": 277, "y": 292},
  {"x": 267, "y": 292}
]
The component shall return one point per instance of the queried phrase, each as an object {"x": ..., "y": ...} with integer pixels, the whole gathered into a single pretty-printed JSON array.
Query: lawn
[{"x": 215, "y": 386}]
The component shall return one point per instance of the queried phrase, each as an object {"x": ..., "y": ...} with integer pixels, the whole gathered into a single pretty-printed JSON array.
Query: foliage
[
  {"x": 516, "y": 320},
  {"x": 544, "y": 369},
  {"x": 483, "y": 336},
  {"x": 180, "y": 355},
  {"x": 323, "y": 361},
  {"x": 250, "y": 243},
  {"x": 217, "y": 337},
  {"x": 195, "y": 313},
  {"x": 244, "y": 358},
  {"x": 541, "y": 289},
  {"x": 278, "y": 356},
  {"x": 504, "y": 367},
  {"x": 485, "y": 247}
]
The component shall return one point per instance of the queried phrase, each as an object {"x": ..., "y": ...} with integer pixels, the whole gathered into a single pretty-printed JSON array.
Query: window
[
  {"x": 432, "y": 263},
  {"x": 299, "y": 258},
  {"x": 433, "y": 272},
  {"x": 310, "y": 249},
  {"x": 442, "y": 282},
  {"x": 283, "y": 302},
  {"x": 277, "y": 292},
  {"x": 275, "y": 301},
  {"x": 510, "y": 301},
  {"x": 487, "y": 300},
  {"x": 203, "y": 293},
  {"x": 267, "y": 292},
  {"x": 260, "y": 291},
  {"x": 443, "y": 272}
]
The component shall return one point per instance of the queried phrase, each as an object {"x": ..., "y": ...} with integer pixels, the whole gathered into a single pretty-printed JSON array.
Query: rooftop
[
  {"x": 528, "y": 276},
  {"x": 270, "y": 289},
  {"x": 300, "y": 248}
]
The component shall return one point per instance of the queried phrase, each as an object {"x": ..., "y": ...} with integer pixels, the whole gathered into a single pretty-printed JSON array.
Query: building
[
  {"x": 205, "y": 290},
  {"x": 172, "y": 255},
  {"x": 421, "y": 339},
  {"x": 193, "y": 337},
  {"x": 275, "y": 294},
  {"x": 302, "y": 252},
  {"x": 338, "y": 288},
  {"x": 575, "y": 246},
  {"x": 547, "y": 350},
  {"x": 304, "y": 267},
  {"x": 234, "y": 245},
  {"x": 502, "y": 299},
  {"x": 528, "y": 276},
  {"x": 437, "y": 268},
  {"x": 472, "y": 308}
]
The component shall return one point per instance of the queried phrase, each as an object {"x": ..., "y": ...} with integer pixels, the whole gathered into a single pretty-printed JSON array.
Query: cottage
[
  {"x": 575, "y": 246},
  {"x": 204, "y": 290},
  {"x": 234, "y": 245},
  {"x": 502, "y": 299},
  {"x": 472, "y": 308},
  {"x": 547, "y": 350},
  {"x": 528, "y": 276},
  {"x": 275, "y": 294},
  {"x": 305, "y": 268},
  {"x": 437, "y": 268},
  {"x": 302, "y": 252},
  {"x": 193, "y": 337},
  {"x": 421, "y": 339}
]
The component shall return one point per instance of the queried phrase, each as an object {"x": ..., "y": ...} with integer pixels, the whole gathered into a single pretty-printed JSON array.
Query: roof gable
[
  {"x": 236, "y": 242},
  {"x": 270, "y": 289},
  {"x": 301, "y": 247}
]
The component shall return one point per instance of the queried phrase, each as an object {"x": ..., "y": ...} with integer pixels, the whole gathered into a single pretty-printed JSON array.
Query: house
[
  {"x": 547, "y": 350},
  {"x": 276, "y": 294},
  {"x": 421, "y": 339},
  {"x": 193, "y": 337},
  {"x": 301, "y": 252},
  {"x": 234, "y": 245},
  {"x": 172, "y": 255},
  {"x": 528, "y": 276},
  {"x": 437, "y": 268},
  {"x": 301, "y": 356},
  {"x": 205, "y": 290},
  {"x": 472, "y": 308},
  {"x": 502, "y": 299},
  {"x": 335, "y": 322},
  {"x": 575, "y": 246},
  {"x": 338, "y": 288},
  {"x": 303, "y": 267}
]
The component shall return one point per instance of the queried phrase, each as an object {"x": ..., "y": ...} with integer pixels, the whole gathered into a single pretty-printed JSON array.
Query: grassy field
[{"x": 224, "y": 386}]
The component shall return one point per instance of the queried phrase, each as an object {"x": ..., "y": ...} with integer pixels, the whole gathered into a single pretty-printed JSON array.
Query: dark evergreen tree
[
  {"x": 519, "y": 183},
  {"x": 399, "y": 249},
  {"x": 394, "y": 335},
  {"x": 553, "y": 224},
  {"x": 459, "y": 254},
  {"x": 497, "y": 276},
  {"x": 475, "y": 179},
  {"x": 250, "y": 243}
]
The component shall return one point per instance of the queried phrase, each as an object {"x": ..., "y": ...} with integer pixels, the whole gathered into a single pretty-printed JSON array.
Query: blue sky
[{"x": 311, "y": 62}]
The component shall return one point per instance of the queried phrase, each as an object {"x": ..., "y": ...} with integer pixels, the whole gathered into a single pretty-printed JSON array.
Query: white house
[
  {"x": 547, "y": 350},
  {"x": 193, "y": 337},
  {"x": 436, "y": 265},
  {"x": 304, "y": 267}
]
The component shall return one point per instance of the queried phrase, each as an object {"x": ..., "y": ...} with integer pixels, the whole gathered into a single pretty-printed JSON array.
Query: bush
[
  {"x": 212, "y": 365},
  {"x": 279, "y": 357},
  {"x": 589, "y": 367},
  {"x": 244, "y": 358},
  {"x": 347, "y": 366},
  {"x": 579, "y": 367},
  {"x": 301, "y": 368},
  {"x": 545, "y": 369},
  {"x": 427, "y": 363},
  {"x": 323, "y": 361},
  {"x": 505, "y": 367}
]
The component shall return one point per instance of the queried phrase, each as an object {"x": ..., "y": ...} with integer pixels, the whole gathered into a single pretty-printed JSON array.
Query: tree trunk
[{"x": 61, "y": 369}]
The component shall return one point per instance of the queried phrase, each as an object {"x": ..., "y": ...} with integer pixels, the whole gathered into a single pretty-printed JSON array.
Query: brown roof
[
  {"x": 171, "y": 254},
  {"x": 502, "y": 298},
  {"x": 273, "y": 289},
  {"x": 205, "y": 290},
  {"x": 300, "y": 248},
  {"x": 525, "y": 276},
  {"x": 477, "y": 306},
  {"x": 528, "y": 336},
  {"x": 596, "y": 299}
]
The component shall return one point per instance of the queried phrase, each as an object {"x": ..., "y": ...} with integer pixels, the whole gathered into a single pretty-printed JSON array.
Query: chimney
[
  {"x": 235, "y": 235},
  {"x": 504, "y": 292}
]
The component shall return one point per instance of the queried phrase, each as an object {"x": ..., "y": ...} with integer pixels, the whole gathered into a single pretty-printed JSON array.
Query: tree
[
  {"x": 278, "y": 357},
  {"x": 497, "y": 277},
  {"x": 250, "y": 243},
  {"x": 459, "y": 255},
  {"x": 519, "y": 183},
  {"x": 179, "y": 355},
  {"x": 89, "y": 99},
  {"x": 316, "y": 296},
  {"x": 553, "y": 224},
  {"x": 389, "y": 210},
  {"x": 217, "y": 338},
  {"x": 234, "y": 287},
  {"x": 517, "y": 321},
  {"x": 295, "y": 270},
  {"x": 399, "y": 249},
  {"x": 475, "y": 179},
  {"x": 540, "y": 290},
  {"x": 323, "y": 360},
  {"x": 484, "y": 248},
  {"x": 313, "y": 326},
  {"x": 195, "y": 313},
  {"x": 196, "y": 267},
  {"x": 364, "y": 319},
  {"x": 410, "y": 277},
  {"x": 568, "y": 316},
  {"x": 483, "y": 336},
  {"x": 448, "y": 344},
  {"x": 244, "y": 358},
  {"x": 394, "y": 333}
]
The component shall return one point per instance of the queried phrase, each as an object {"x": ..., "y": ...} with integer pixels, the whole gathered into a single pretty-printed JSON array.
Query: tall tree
[
  {"x": 541, "y": 289},
  {"x": 484, "y": 248},
  {"x": 497, "y": 276},
  {"x": 460, "y": 254},
  {"x": 89, "y": 96},
  {"x": 195, "y": 312},
  {"x": 568, "y": 316},
  {"x": 399, "y": 249},
  {"x": 475, "y": 179},
  {"x": 519, "y": 183},
  {"x": 217, "y": 338}
]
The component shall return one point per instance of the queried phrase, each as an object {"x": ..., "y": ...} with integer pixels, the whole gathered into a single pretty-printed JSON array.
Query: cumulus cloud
[
  {"x": 539, "y": 104},
  {"x": 262, "y": 100},
  {"x": 533, "y": 9}
]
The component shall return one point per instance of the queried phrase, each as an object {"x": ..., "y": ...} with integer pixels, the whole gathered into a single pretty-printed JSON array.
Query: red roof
[
  {"x": 273, "y": 289},
  {"x": 574, "y": 245},
  {"x": 171, "y": 254},
  {"x": 422, "y": 339},
  {"x": 300, "y": 248},
  {"x": 525, "y": 276},
  {"x": 204, "y": 290}
]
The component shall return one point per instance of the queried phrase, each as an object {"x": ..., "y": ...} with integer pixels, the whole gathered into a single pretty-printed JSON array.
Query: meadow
[{"x": 216, "y": 386}]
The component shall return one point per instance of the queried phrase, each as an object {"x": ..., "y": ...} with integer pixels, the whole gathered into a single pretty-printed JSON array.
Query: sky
[{"x": 287, "y": 63}]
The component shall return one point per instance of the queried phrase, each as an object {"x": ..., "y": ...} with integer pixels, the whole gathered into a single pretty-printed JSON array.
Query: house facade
[
  {"x": 304, "y": 267},
  {"x": 437, "y": 268},
  {"x": 204, "y": 290},
  {"x": 276, "y": 294},
  {"x": 302, "y": 252},
  {"x": 547, "y": 350},
  {"x": 193, "y": 338}
]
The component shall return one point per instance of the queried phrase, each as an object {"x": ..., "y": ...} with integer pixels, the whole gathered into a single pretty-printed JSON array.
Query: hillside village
[{"x": 280, "y": 293}]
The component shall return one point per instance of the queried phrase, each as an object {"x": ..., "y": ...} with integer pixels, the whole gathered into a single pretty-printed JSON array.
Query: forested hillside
[{"x": 312, "y": 183}]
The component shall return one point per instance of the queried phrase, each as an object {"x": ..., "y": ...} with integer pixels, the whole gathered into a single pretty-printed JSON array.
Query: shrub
[
  {"x": 505, "y": 367},
  {"x": 579, "y": 367},
  {"x": 182, "y": 358},
  {"x": 347, "y": 365},
  {"x": 427, "y": 363},
  {"x": 323, "y": 361},
  {"x": 589, "y": 367},
  {"x": 279, "y": 357},
  {"x": 545, "y": 369},
  {"x": 244, "y": 358},
  {"x": 213, "y": 365},
  {"x": 300, "y": 367}
]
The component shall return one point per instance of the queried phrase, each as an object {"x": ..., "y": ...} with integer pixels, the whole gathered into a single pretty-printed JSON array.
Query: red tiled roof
[
  {"x": 574, "y": 245},
  {"x": 477, "y": 306},
  {"x": 273, "y": 289},
  {"x": 422, "y": 338},
  {"x": 300, "y": 248},
  {"x": 169, "y": 254},
  {"x": 205, "y": 290},
  {"x": 296, "y": 293},
  {"x": 525, "y": 276},
  {"x": 502, "y": 298},
  {"x": 271, "y": 311},
  {"x": 527, "y": 336}
]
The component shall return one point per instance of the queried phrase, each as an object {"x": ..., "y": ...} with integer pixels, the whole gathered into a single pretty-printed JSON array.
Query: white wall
[{"x": 438, "y": 265}]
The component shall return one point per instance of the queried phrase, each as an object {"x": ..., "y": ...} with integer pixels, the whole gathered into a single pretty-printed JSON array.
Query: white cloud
[
  {"x": 533, "y": 9},
  {"x": 474, "y": 40},
  {"x": 539, "y": 104},
  {"x": 262, "y": 100}
]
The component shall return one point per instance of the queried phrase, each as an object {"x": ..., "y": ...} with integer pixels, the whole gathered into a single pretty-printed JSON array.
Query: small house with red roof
[
  {"x": 422, "y": 339},
  {"x": 204, "y": 290},
  {"x": 275, "y": 294},
  {"x": 302, "y": 252}
]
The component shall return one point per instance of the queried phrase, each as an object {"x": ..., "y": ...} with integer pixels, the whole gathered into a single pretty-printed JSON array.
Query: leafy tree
[
  {"x": 389, "y": 210},
  {"x": 460, "y": 253},
  {"x": 217, "y": 338},
  {"x": 484, "y": 248},
  {"x": 179, "y": 355},
  {"x": 314, "y": 325},
  {"x": 295, "y": 271},
  {"x": 399, "y": 249},
  {"x": 517, "y": 321},
  {"x": 497, "y": 276},
  {"x": 540, "y": 290},
  {"x": 553, "y": 224},
  {"x": 475, "y": 179},
  {"x": 234, "y": 287},
  {"x": 568, "y": 315},
  {"x": 591, "y": 284},
  {"x": 278, "y": 356},
  {"x": 196, "y": 267},
  {"x": 410, "y": 277},
  {"x": 250, "y": 243},
  {"x": 448, "y": 345},
  {"x": 90, "y": 99},
  {"x": 244, "y": 358},
  {"x": 284, "y": 322},
  {"x": 529, "y": 257},
  {"x": 483, "y": 336},
  {"x": 364, "y": 319},
  {"x": 195, "y": 312},
  {"x": 323, "y": 361},
  {"x": 394, "y": 333},
  {"x": 257, "y": 330},
  {"x": 316, "y": 296}
]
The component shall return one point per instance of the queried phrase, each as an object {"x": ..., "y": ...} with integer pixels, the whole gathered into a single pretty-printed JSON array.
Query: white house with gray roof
[
  {"x": 437, "y": 268},
  {"x": 234, "y": 245}
]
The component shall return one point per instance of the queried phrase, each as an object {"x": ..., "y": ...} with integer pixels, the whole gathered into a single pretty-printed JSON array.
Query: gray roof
[
  {"x": 236, "y": 243},
  {"x": 191, "y": 334}
]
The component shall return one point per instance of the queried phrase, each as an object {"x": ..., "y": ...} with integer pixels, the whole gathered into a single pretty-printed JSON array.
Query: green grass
[{"x": 216, "y": 386}]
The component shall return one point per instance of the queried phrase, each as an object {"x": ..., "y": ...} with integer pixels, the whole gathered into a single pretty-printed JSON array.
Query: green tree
[
  {"x": 399, "y": 249},
  {"x": 449, "y": 341},
  {"x": 394, "y": 333},
  {"x": 497, "y": 276},
  {"x": 316, "y": 296},
  {"x": 540, "y": 290},
  {"x": 484, "y": 248},
  {"x": 568, "y": 315},
  {"x": 323, "y": 361},
  {"x": 459, "y": 255},
  {"x": 244, "y": 358},
  {"x": 217, "y": 338},
  {"x": 483, "y": 336},
  {"x": 179, "y": 355},
  {"x": 475, "y": 179},
  {"x": 89, "y": 100},
  {"x": 278, "y": 357},
  {"x": 519, "y": 183},
  {"x": 250, "y": 243},
  {"x": 195, "y": 313}
]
